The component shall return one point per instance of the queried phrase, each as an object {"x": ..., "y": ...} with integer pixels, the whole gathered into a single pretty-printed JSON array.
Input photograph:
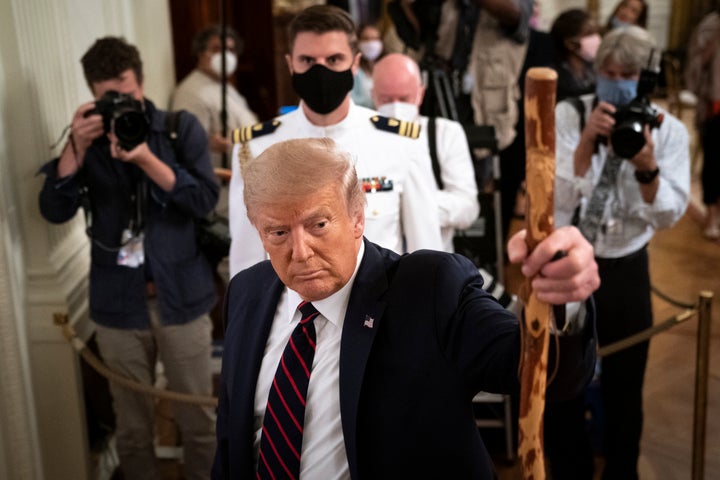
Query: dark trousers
[
  {"x": 623, "y": 308},
  {"x": 711, "y": 160}
]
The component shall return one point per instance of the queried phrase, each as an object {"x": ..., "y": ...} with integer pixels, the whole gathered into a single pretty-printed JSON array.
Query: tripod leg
[
  {"x": 448, "y": 94},
  {"x": 438, "y": 92}
]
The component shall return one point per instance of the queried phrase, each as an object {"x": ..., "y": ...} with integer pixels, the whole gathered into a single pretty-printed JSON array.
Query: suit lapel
[
  {"x": 252, "y": 327},
  {"x": 362, "y": 321}
]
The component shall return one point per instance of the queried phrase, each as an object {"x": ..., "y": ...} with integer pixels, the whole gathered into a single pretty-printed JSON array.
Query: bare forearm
[
  {"x": 649, "y": 191},
  {"x": 159, "y": 172}
]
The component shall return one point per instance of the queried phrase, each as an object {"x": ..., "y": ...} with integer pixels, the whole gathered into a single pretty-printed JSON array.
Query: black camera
[
  {"x": 124, "y": 116},
  {"x": 628, "y": 137}
]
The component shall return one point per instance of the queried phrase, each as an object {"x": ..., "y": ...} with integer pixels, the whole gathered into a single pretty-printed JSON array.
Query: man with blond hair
[{"x": 346, "y": 360}]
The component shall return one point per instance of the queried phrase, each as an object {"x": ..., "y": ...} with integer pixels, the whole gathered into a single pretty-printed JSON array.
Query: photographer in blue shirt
[{"x": 150, "y": 286}]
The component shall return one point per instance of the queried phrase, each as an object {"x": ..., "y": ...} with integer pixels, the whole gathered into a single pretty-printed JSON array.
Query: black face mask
[{"x": 321, "y": 88}]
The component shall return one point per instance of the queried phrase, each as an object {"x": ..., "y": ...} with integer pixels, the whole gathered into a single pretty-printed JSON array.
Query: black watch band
[{"x": 646, "y": 176}]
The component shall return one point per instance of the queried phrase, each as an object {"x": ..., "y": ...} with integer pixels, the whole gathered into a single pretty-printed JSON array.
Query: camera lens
[
  {"x": 628, "y": 139},
  {"x": 131, "y": 128}
]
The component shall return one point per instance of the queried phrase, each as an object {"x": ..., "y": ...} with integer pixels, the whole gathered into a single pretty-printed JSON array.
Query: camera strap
[
  {"x": 138, "y": 202},
  {"x": 579, "y": 106},
  {"x": 595, "y": 211},
  {"x": 432, "y": 144},
  {"x": 213, "y": 231}
]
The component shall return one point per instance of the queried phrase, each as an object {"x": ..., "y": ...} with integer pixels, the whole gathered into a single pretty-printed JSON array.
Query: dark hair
[
  {"x": 568, "y": 24},
  {"x": 108, "y": 58},
  {"x": 323, "y": 19},
  {"x": 200, "y": 42}
]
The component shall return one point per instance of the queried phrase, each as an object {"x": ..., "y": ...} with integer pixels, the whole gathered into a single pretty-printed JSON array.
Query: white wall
[{"x": 43, "y": 267}]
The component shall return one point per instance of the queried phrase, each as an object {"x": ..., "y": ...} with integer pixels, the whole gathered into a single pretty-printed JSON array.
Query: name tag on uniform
[{"x": 376, "y": 184}]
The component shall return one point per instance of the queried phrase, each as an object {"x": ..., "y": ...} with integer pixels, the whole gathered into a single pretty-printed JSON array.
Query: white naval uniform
[
  {"x": 458, "y": 205},
  {"x": 401, "y": 217}
]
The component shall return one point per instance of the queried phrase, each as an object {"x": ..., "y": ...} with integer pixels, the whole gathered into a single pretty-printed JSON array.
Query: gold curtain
[
  {"x": 686, "y": 14},
  {"x": 593, "y": 6}
]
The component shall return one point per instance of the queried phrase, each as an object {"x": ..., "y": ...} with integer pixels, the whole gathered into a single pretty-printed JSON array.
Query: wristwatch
[{"x": 646, "y": 176}]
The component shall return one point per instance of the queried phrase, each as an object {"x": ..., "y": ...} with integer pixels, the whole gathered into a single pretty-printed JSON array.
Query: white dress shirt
[
  {"x": 637, "y": 220},
  {"x": 399, "y": 219},
  {"x": 323, "y": 449}
]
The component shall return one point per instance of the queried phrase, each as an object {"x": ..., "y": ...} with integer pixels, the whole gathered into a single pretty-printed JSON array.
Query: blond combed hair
[{"x": 298, "y": 168}]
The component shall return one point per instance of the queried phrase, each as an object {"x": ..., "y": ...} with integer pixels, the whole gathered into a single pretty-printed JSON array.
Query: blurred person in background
[
  {"x": 200, "y": 92},
  {"x": 626, "y": 13},
  {"x": 371, "y": 48},
  {"x": 702, "y": 77},
  {"x": 576, "y": 39},
  {"x": 398, "y": 92}
]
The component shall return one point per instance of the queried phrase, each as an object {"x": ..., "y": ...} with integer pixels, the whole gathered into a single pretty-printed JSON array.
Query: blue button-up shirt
[{"x": 181, "y": 273}]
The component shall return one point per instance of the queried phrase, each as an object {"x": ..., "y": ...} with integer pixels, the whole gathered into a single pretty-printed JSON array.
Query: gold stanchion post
[{"x": 702, "y": 370}]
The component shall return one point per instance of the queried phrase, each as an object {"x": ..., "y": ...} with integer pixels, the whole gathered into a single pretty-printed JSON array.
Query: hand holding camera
[
  {"x": 85, "y": 128},
  {"x": 629, "y": 134},
  {"x": 600, "y": 123},
  {"x": 627, "y": 126},
  {"x": 631, "y": 122},
  {"x": 137, "y": 154}
]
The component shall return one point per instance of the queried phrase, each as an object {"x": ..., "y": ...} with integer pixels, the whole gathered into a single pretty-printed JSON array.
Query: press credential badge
[{"x": 131, "y": 254}]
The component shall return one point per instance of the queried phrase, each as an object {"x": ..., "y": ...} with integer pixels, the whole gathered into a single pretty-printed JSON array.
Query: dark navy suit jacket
[{"x": 407, "y": 382}]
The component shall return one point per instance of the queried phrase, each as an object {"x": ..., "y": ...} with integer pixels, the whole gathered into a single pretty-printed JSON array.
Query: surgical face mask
[
  {"x": 616, "y": 92},
  {"x": 322, "y": 89},
  {"x": 589, "y": 46},
  {"x": 230, "y": 63},
  {"x": 371, "y": 49},
  {"x": 615, "y": 23},
  {"x": 400, "y": 110}
]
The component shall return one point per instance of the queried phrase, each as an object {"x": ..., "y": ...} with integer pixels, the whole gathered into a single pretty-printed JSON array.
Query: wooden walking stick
[{"x": 540, "y": 85}]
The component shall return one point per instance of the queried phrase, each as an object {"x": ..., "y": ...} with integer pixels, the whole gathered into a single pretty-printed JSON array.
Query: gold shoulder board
[
  {"x": 393, "y": 125},
  {"x": 245, "y": 134}
]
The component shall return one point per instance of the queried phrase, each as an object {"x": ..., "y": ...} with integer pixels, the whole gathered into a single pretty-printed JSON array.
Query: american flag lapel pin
[{"x": 368, "y": 321}]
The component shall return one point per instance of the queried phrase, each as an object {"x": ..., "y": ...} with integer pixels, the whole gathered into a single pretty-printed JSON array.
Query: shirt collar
[{"x": 333, "y": 307}]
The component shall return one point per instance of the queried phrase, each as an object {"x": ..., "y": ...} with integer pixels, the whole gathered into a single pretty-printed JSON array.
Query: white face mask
[
  {"x": 371, "y": 49},
  {"x": 400, "y": 110},
  {"x": 230, "y": 63}
]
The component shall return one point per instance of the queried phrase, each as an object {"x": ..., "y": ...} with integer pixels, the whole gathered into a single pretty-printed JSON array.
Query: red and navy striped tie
[{"x": 282, "y": 430}]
